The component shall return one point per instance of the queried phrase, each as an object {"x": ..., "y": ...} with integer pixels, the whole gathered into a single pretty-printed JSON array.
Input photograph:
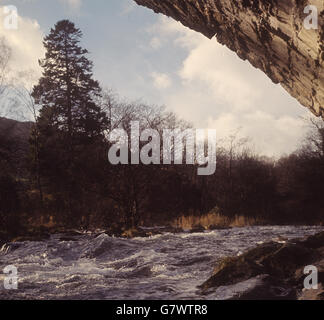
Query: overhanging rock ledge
[{"x": 270, "y": 34}]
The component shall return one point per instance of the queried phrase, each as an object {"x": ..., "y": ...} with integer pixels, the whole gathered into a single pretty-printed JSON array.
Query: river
[{"x": 164, "y": 266}]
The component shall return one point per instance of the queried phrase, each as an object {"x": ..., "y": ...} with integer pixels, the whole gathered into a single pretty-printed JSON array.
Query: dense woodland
[{"x": 56, "y": 170}]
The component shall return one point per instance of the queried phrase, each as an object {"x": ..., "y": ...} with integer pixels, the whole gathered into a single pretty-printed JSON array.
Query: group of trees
[{"x": 67, "y": 175}]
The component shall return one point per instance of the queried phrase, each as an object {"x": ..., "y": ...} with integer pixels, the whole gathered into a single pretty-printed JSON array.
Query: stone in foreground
[{"x": 278, "y": 265}]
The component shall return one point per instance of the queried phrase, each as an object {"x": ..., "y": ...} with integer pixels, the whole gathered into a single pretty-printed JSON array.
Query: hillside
[{"x": 14, "y": 142}]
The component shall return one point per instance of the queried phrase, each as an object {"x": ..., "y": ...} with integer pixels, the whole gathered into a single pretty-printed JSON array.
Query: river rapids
[{"x": 164, "y": 266}]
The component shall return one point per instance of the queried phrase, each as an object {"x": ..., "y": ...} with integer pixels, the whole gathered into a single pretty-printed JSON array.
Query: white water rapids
[{"x": 165, "y": 266}]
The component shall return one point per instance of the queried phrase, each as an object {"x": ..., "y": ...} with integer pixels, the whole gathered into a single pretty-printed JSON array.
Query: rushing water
[{"x": 165, "y": 266}]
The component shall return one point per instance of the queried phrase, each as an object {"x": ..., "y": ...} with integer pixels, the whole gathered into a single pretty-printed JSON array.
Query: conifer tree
[
  {"x": 71, "y": 125},
  {"x": 67, "y": 85}
]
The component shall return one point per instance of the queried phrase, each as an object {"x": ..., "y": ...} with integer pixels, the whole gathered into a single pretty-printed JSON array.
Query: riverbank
[
  {"x": 41, "y": 233},
  {"x": 39, "y": 230},
  {"x": 184, "y": 224},
  {"x": 214, "y": 220}
]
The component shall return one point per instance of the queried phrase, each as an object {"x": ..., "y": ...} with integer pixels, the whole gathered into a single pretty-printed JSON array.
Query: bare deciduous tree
[
  {"x": 314, "y": 141},
  {"x": 5, "y": 56}
]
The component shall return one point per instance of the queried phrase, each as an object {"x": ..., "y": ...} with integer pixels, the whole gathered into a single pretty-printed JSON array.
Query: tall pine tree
[
  {"x": 67, "y": 84},
  {"x": 70, "y": 125}
]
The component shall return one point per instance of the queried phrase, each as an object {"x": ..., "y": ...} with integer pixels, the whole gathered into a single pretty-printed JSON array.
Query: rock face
[
  {"x": 278, "y": 267},
  {"x": 270, "y": 34}
]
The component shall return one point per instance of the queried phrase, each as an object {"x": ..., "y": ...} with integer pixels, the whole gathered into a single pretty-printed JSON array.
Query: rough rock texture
[
  {"x": 278, "y": 268},
  {"x": 268, "y": 33}
]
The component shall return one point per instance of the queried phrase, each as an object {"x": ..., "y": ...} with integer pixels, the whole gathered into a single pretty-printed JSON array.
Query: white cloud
[
  {"x": 26, "y": 45},
  {"x": 128, "y": 7},
  {"x": 73, "y": 4},
  {"x": 161, "y": 80},
  {"x": 218, "y": 90},
  {"x": 156, "y": 43},
  {"x": 272, "y": 136}
]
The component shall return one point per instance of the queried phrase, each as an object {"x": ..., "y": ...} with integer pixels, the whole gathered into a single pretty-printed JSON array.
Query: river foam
[{"x": 166, "y": 266}]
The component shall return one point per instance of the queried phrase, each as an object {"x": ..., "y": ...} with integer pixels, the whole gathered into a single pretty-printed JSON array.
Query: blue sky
[{"x": 142, "y": 55}]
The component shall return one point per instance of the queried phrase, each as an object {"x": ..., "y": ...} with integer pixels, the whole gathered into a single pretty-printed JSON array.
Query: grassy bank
[{"x": 215, "y": 220}]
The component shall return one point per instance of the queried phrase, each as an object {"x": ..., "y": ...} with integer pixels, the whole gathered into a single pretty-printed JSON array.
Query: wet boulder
[
  {"x": 115, "y": 230},
  {"x": 233, "y": 270},
  {"x": 284, "y": 262},
  {"x": 314, "y": 242},
  {"x": 278, "y": 260},
  {"x": 135, "y": 233},
  {"x": 268, "y": 288}
]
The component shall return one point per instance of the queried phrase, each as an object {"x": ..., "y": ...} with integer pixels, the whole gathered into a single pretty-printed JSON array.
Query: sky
[{"x": 145, "y": 56}]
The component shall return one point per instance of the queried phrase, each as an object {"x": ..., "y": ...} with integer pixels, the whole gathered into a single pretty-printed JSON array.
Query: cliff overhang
[{"x": 270, "y": 34}]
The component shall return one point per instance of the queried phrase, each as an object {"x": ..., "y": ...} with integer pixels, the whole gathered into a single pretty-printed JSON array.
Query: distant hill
[
  {"x": 15, "y": 129},
  {"x": 14, "y": 143}
]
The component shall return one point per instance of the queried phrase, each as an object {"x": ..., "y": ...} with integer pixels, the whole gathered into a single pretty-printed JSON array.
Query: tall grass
[{"x": 215, "y": 220}]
